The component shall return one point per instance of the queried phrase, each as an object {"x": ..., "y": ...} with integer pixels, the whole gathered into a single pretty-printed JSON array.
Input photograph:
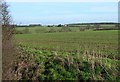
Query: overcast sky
[{"x": 63, "y": 12}]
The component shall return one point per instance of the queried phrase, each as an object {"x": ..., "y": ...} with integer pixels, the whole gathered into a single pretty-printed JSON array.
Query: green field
[
  {"x": 105, "y": 41},
  {"x": 95, "y": 51}
]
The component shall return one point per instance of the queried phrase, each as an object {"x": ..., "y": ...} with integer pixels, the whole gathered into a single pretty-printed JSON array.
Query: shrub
[
  {"x": 52, "y": 30},
  {"x": 17, "y": 32},
  {"x": 60, "y": 25},
  {"x": 65, "y": 29},
  {"x": 26, "y": 31}
]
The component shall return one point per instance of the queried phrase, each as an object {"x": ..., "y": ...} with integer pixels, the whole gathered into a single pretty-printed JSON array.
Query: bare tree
[
  {"x": 7, "y": 46},
  {"x": 5, "y": 14},
  {"x": 6, "y": 20}
]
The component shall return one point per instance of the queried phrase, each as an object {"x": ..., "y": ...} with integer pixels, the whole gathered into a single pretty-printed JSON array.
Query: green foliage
[
  {"x": 59, "y": 25},
  {"x": 66, "y": 66}
]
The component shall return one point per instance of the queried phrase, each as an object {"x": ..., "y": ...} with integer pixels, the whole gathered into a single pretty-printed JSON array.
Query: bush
[
  {"x": 65, "y": 29},
  {"x": 17, "y": 32},
  {"x": 60, "y": 25},
  {"x": 52, "y": 30},
  {"x": 53, "y": 65},
  {"x": 26, "y": 31}
]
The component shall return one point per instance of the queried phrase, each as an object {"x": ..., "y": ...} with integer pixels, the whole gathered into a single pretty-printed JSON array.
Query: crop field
[
  {"x": 75, "y": 55},
  {"x": 105, "y": 41}
]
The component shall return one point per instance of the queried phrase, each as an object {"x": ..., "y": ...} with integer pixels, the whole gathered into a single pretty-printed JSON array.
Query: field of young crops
[
  {"x": 105, "y": 42},
  {"x": 82, "y": 55}
]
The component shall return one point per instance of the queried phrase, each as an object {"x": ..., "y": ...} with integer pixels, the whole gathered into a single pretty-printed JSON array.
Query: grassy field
[
  {"x": 105, "y": 41},
  {"x": 88, "y": 55}
]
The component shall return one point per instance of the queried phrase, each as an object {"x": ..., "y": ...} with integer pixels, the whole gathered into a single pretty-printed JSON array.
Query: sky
[
  {"x": 62, "y": 0},
  {"x": 62, "y": 12}
]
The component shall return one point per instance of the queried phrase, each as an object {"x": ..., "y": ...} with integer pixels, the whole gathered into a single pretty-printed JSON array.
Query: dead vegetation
[
  {"x": 8, "y": 49},
  {"x": 15, "y": 64}
]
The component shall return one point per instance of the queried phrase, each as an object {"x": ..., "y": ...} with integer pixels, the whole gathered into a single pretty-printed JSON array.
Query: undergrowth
[{"x": 54, "y": 65}]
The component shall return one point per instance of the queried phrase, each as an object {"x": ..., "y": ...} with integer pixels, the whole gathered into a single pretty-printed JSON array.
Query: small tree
[
  {"x": 59, "y": 25},
  {"x": 7, "y": 29}
]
